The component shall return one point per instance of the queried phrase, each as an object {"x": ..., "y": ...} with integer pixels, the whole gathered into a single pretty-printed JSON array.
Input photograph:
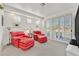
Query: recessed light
[{"x": 43, "y": 4}]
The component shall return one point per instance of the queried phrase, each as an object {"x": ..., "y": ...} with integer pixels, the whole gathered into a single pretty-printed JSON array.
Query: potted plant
[{"x": 1, "y": 7}]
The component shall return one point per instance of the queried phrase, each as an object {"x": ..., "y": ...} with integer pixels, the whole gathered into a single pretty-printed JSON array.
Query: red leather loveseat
[{"x": 21, "y": 40}]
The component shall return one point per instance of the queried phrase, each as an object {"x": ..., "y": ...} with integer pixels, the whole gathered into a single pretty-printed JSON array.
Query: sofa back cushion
[{"x": 37, "y": 32}]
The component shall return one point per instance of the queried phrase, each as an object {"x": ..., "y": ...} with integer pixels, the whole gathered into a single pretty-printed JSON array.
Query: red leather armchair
[{"x": 38, "y": 36}]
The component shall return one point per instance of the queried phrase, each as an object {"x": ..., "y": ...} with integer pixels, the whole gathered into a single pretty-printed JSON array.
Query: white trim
[
  {"x": 20, "y": 11},
  {"x": 62, "y": 13}
]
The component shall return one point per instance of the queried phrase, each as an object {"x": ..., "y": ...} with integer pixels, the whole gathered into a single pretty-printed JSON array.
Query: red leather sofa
[
  {"x": 15, "y": 41},
  {"x": 25, "y": 44},
  {"x": 20, "y": 40}
]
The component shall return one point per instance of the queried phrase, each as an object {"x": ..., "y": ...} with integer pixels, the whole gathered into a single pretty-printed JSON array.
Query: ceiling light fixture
[{"x": 43, "y": 4}]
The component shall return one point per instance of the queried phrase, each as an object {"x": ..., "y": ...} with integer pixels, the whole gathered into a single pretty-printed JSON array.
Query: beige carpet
[{"x": 51, "y": 48}]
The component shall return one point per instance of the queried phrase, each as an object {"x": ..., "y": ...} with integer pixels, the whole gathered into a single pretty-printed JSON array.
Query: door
[{"x": 60, "y": 28}]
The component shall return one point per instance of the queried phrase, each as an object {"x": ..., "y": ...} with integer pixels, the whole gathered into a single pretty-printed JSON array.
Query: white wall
[
  {"x": 0, "y": 18},
  {"x": 73, "y": 20},
  {"x": 9, "y": 21},
  {"x": 1, "y": 30}
]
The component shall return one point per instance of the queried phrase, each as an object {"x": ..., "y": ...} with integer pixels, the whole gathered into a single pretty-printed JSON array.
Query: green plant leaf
[{"x": 1, "y": 7}]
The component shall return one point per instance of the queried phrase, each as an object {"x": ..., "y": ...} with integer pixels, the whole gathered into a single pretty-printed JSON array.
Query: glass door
[
  {"x": 55, "y": 29},
  {"x": 67, "y": 35},
  {"x": 60, "y": 28},
  {"x": 52, "y": 28}
]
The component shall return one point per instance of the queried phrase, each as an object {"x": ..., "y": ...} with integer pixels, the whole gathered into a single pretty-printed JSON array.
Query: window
[
  {"x": 29, "y": 20},
  {"x": 60, "y": 28},
  {"x": 37, "y": 22}
]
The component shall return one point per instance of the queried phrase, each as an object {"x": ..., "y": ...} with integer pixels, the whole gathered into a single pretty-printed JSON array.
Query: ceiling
[{"x": 46, "y": 10}]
